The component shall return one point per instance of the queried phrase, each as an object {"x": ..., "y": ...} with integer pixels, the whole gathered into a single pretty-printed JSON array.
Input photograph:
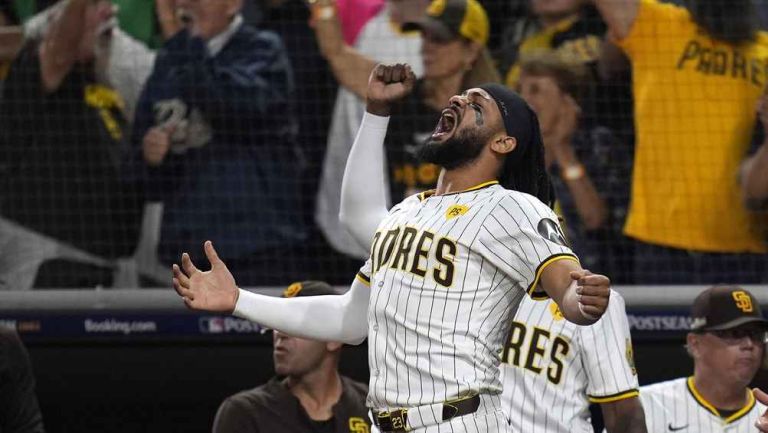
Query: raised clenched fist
[{"x": 388, "y": 84}]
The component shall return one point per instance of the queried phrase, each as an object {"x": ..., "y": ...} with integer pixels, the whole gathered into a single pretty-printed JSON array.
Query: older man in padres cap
[{"x": 727, "y": 344}]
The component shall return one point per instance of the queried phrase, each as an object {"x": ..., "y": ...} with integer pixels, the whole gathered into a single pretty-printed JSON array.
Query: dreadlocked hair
[{"x": 527, "y": 172}]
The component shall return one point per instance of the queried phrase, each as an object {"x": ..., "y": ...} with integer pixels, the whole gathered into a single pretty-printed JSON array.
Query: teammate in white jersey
[
  {"x": 550, "y": 362},
  {"x": 447, "y": 269},
  {"x": 547, "y": 361},
  {"x": 727, "y": 344}
]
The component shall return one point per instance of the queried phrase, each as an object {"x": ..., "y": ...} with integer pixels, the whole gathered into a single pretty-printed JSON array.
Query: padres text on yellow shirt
[{"x": 694, "y": 113}]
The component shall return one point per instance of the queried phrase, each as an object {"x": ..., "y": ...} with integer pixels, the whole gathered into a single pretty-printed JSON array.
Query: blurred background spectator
[
  {"x": 137, "y": 17},
  {"x": 380, "y": 39},
  {"x": 11, "y": 38},
  {"x": 574, "y": 30},
  {"x": 215, "y": 127},
  {"x": 754, "y": 170},
  {"x": 589, "y": 167},
  {"x": 308, "y": 393},
  {"x": 127, "y": 58},
  {"x": 571, "y": 27},
  {"x": 697, "y": 76},
  {"x": 19, "y": 411},
  {"x": 62, "y": 201},
  {"x": 316, "y": 88}
]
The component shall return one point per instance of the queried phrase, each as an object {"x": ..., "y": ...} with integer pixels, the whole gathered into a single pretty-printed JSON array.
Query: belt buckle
[{"x": 395, "y": 421}]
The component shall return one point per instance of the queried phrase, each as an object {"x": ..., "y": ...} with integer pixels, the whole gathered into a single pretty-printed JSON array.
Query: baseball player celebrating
[
  {"x": 563, "y": 366},
  {"x": 447, "y": 268},
  {"x": 727, "y": 344}
]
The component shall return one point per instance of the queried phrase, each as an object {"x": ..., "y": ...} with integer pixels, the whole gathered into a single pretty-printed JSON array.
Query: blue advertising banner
[{"x": 133, "y": 325}]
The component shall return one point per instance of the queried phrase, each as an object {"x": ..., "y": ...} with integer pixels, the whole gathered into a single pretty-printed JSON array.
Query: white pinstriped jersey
[
  {"x": 552, "y": 369},
  {"x": 446, "y": 275},
  {"x": 676, "y": 406}
]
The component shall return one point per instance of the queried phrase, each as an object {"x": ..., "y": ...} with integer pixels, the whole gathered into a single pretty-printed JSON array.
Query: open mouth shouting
[{"x": 449, "y": 120}]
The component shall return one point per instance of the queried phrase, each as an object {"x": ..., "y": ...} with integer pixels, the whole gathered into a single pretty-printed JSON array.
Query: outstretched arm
[
  {"x": 619, "y": 15},
  {"x": 363, "y": 190},
  {"x": 350, "y": 67},
  {"x": 60, "y": 47},
  {"x": 341, "y": 318}
]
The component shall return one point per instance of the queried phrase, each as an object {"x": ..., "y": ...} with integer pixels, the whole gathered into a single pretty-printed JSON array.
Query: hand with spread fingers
[
  {"x": 593, "y": 293},
  {"x": 213, "y": 290},
  {"x": 762, "y": 422}
]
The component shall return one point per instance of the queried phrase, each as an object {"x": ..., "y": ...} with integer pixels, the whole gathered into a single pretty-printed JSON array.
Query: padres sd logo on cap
[
  {"x": 358, "y": 425},
  {"x": 436, "y": 8},
  {"x": 743, "y": 301}
]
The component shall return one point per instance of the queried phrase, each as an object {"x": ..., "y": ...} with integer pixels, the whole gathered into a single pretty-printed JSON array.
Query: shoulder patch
[
  {"x": 630, "y": 354},
  {"x": 550, "y": 230},
  {"x": 292, "y": 290},
  {"x": 557, "y": 315},
  {"x": 455, "y": 210}
]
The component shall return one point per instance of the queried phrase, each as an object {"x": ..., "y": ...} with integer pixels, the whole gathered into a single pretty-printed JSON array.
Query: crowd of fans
[{"x": 123, "y": 124}]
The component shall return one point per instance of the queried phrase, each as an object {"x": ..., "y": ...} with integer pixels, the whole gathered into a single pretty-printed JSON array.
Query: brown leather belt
[{"x": 396, "y": 421}]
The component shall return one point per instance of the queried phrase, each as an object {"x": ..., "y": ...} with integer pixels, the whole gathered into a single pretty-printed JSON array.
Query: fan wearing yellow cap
[{"x": 454, "y": 35}]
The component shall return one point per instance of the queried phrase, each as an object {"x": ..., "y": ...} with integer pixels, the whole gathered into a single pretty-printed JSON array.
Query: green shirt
[{"x": 136, "y": 17}]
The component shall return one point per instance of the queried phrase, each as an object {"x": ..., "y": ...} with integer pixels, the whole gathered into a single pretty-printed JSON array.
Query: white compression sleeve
[
  {"x": 341, "y": 318},
  {"x": 363, "y": 191}
]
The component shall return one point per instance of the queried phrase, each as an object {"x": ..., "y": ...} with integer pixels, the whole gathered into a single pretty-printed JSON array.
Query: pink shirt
[{"x": 353, "y": 15}]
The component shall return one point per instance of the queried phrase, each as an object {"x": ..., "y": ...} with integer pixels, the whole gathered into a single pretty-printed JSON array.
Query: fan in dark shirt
[{"x": 311, "y": 396}]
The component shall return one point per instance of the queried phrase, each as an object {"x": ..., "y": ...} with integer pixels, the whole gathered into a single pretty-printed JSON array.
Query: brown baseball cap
[
  {"x": 725, "y": 307},
  {"x": 450, "y": 19},
  {"x": 308, "y": 288}
]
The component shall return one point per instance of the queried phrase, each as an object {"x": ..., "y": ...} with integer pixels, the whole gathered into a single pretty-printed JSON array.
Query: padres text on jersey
[
  {"x": 447, "y": 273},
  {"x": 565, "y": 367}
]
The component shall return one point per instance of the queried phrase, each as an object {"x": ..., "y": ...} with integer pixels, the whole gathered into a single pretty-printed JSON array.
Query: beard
[
  {"x": 461, "y": 149},
  {"x": 731, "y": 21}
]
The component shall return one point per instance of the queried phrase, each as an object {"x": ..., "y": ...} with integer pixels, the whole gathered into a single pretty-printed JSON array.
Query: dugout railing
[{"x": 138, "y": 360}]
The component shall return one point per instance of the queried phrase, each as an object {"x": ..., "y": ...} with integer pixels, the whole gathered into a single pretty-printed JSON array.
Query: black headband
[{"x": 519, "y": 119}]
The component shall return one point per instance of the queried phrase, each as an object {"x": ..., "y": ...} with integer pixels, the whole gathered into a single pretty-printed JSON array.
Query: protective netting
[{"x": 130, "y": 135}]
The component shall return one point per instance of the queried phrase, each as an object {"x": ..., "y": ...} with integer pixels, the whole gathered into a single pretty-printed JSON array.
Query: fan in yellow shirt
[
  {"x": 569, "y": 28},
  {"x": 697, "y": 75}
]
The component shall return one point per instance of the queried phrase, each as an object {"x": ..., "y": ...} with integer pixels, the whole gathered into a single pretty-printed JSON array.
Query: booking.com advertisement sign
[
  {"x": 648, "y": 324},
  {"x": 129, "y": 326}
]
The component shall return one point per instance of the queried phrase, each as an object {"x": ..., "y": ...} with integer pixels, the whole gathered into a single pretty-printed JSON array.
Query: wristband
[
  {"x": 573, "y": 172},
  {"x": 322, "y": 10},
  {"x": 587, "y": 315}
]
